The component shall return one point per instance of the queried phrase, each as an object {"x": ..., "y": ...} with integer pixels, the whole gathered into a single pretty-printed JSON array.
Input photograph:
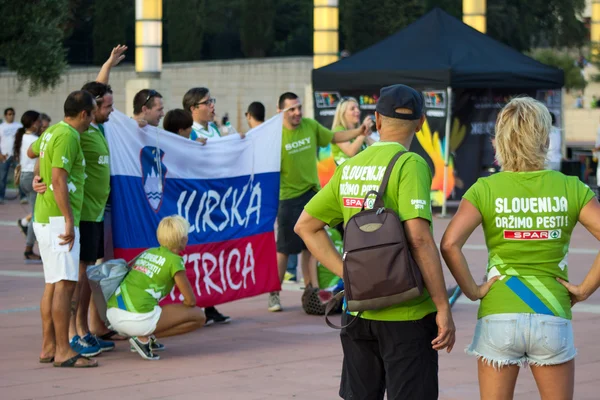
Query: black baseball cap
[{"x": 400, "y": 96}]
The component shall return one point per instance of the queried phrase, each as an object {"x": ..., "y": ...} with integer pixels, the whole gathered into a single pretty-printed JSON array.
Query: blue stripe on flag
[
  {"x": 207, "y": 204},
  {"x": 528, "y": 296}
]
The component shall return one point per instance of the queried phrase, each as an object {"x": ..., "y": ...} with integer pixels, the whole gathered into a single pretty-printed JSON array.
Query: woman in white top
[{"x": 24, "y": 137}]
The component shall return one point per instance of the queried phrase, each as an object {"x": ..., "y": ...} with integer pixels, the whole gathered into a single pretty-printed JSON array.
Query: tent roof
[{"x": 437, "y": 51}]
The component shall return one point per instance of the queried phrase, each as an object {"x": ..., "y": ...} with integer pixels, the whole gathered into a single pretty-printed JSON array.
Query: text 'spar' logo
[{"x": 154, "y": 175}]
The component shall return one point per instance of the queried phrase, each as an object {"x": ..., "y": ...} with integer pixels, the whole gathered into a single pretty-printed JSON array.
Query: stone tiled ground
[{"x": 260, "y": 355}]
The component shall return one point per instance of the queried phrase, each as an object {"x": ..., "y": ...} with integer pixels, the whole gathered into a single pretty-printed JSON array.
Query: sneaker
[
  {"x": 24, "y": 200},
  {"x": 274, "y": 302},
  {"x": 94, "y": 340},
  {"x": 154, "y": 345},
  {"x": 83, "y": 348},
  {"x": 143, "y": 349},
  {"x": 23, "y": 228},
  {"x": 215, "y": 317},
  {"x": 288, "y": 277}
]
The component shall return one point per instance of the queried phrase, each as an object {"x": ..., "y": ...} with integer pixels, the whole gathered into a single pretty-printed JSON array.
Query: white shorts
[
  {"x": 133, "y": 324},
  {"x": 58, "y": 266},
  {"x": 521, "y": 339}
]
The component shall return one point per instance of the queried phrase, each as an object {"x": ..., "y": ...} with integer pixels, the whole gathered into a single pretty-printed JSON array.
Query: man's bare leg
[
  {"x": 98, "y": 326},
  {"x": 282, "y": 260},
  {"x": 309, "y": 269},
  {"x": 84, "y": 301},
  {"x": 96, "y": 323},
  {"x": 61, "y": 302},
  {"x": 75, "y": 302},
  {"x": 48, "y": 338}
]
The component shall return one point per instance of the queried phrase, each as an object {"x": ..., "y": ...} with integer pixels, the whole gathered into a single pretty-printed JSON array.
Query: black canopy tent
[{"x": 439, "y": 52}]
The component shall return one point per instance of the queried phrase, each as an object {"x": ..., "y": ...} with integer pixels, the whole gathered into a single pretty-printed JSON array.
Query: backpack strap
[
  {"x": 384, "y": 181},
  {"x": 331, "y": 305}
]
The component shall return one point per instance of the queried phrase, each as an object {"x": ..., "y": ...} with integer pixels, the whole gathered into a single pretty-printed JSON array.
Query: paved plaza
[{"x": 260, "y": 355}]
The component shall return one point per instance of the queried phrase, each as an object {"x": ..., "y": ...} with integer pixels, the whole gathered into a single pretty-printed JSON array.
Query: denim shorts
[{"x": 522, "y": 339}]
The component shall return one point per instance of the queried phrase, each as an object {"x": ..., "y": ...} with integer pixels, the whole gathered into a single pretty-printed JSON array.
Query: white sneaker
[{"x": 274, "y": 302}]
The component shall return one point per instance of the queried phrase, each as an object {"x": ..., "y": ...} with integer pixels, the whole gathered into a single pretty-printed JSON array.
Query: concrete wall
[{"x": 234, "y": 84}]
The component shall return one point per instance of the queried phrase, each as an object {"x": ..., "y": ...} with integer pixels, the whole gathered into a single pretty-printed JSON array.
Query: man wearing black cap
[{"x": 385, "y": 350}]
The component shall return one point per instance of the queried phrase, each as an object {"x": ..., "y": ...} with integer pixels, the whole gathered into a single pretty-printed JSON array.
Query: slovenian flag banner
[{"x": 228, "y": 190}]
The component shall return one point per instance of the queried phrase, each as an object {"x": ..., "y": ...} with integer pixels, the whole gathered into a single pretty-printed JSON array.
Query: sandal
[
  {"x": 71, "y": 363},
  {"x": 109, "y": 336},
  {"x": 32, "y": 258},
  {"x": 46, "y": 360}
]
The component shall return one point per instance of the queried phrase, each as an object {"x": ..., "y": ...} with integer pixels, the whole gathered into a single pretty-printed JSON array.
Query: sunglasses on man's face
[{"x": 151, "y": 94}]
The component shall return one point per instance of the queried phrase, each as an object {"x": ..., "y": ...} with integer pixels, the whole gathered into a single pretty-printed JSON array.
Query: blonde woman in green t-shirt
[
  {"x": 347, "y": 116},
  {"x": 528, "y": 215},
  {"x": 133, "y": 310}
]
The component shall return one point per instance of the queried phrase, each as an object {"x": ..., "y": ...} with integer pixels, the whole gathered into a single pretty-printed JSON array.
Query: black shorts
[
  {"x": 392, "y": 356},
  {"x": 287, "y": 216},
  {"x": 91, "y": 240}
]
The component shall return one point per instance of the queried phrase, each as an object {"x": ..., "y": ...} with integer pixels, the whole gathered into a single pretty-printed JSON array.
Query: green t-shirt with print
[
  {"x": 151, "y": 278},
  {"x": 407, "y": 193},
  {"x": 325, "y": 276},
  {"x": 59, "y": 147},
  {"x": 299, "y": 158},
  {"x": 338, "y": 155},
  {"x": 527, "y": 219},
  {"x": 97, "y": 174}
]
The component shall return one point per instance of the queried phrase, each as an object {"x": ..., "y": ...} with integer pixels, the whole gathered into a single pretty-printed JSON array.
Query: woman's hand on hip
[
  {"x": 576, "y": 292},
  {"x": 484, "y": 288}
]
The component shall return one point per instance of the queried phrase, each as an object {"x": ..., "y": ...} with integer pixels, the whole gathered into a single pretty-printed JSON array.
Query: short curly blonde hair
[
  {"x": 172, "y": 232},
  {"x": 522, "y": 130}
]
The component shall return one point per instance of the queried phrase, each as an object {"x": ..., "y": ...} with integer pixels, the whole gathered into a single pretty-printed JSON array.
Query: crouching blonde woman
[
  {"x": 134, "y": 311},
  {"x": 527, "y": 214}
]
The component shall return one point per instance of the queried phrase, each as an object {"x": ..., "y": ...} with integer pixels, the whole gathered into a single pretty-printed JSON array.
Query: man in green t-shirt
[
  {"x": 301, "y": 139},
  {"x": 403, "y": 360},
  {"x": 95, "y": 196},
  {"x": 96, "y": 192},
  {"x": 57, "y": 210}
]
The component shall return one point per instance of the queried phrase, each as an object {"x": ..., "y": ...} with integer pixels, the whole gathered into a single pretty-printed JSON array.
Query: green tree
[
  {"x": 555, "y": 58},
  {"x": 256, "y": 27},
  {"x": 524, "y": 25},
  {"x": 113, "y": 23},
  {"x": 364, "y": 23},
  {"x": 520, "y": 24},
  {"x": 293, "y": 28},
  {"x": 222, "y": 30},
  {"x": 452, "y": 7},
  {"x": 31, "y": 41},
  {"x": 185, "y": 22}
]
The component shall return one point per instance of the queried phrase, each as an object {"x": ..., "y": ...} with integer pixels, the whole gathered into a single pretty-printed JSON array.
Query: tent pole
[{"x": 447, "y": 148}]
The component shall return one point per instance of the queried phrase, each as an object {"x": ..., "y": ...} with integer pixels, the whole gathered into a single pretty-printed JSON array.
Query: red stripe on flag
[{"x": 221, "y": 272}]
